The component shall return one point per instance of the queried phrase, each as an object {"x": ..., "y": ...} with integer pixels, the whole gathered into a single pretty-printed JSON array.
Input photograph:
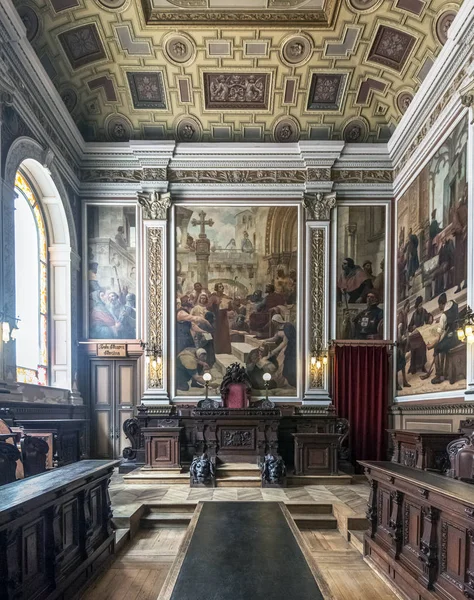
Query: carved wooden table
[
  {"x": 316, "y": 453},
  {"x": 162, "y": 447},
  {"x": 422, "y": 449},
  {"x": 421, "y": 532}
]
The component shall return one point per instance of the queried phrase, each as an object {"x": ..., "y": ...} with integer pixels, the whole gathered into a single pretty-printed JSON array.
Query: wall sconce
[
  {"x": 207, "y": 378},
  {"x": 266, "y": 380},
  {"x": 9, "y": 326},
  {"x": 153, "y": 359},
  {"x": 465, "y": 329},
  {"x": 319, "y": 359}
]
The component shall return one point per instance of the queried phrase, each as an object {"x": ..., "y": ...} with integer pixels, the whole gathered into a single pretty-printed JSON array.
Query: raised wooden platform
[
  {"x": 221, "y": 556},
  {"x": 240, "y": 475}
]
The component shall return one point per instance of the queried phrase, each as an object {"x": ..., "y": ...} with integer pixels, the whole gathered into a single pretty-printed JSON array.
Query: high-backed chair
[
  {"x": 461, "y": 457},
  {"x": 235, "y": 387}
]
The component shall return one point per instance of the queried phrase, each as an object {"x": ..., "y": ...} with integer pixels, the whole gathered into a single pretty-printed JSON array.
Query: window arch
[{"x": 31, "y": 285}]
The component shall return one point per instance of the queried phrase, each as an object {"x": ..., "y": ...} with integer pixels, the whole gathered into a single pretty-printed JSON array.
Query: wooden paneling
[
  {"x": 424, "y": 528},
  {"x": 102, "y": 434},
  {"x": 126, "y": 373}
]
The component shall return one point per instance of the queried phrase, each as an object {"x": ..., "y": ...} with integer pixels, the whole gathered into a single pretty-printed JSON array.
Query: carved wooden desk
[
  {"x": 316, "y": 453},
  {"x": 55, "y": 530},
  {"x": 422, "y": 531},
  {"x": 162, "y": 449},
  {"x": 421, "y": 449}
]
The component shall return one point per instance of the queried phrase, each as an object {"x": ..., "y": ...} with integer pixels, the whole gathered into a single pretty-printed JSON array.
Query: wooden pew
[
  {"x": 421, "y": 535},
  {"x": 55, "y": 531}
]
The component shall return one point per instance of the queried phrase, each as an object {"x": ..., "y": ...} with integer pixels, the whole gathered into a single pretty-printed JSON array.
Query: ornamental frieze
[
  {"x": 236, "y": 176},
  {"x": 362, "y": 176},
  {"x": 122, "y": 175}
]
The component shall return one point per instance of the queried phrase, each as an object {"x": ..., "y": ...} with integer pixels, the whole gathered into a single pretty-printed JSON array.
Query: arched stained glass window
[{"x": 31, "y": 285}]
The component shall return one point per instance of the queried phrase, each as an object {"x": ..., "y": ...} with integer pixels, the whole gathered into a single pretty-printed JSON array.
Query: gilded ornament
[
  {"x": 155, "y": 298},
  {"x": 317, "y": 300}
]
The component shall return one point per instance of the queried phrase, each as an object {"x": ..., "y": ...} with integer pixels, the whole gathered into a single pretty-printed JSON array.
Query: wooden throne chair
[{"x": 235, "y": 387}]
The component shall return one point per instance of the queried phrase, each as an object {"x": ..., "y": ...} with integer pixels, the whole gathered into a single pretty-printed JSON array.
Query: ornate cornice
[
  {"x": 155, "y": 204},
  {"x": 318, "y": 206}
]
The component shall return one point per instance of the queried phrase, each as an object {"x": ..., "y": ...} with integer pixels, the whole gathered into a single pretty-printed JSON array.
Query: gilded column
[
  {"x": 155, "y": 207},
  {"x": 318, "y": 214}
]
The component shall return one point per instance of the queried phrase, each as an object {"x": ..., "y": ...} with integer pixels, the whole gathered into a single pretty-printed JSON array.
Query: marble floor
[{"x": 127, "y": 498}]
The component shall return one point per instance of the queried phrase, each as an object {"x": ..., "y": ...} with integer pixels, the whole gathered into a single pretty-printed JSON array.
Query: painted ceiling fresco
[{"x": 237, "y": 70}]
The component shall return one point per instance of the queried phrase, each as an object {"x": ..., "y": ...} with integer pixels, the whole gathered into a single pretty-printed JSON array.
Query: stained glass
[
  {"x": 36, "y": 335},
  {"x": 26, "y": 375},
  {"x": 43, "y": 340}
]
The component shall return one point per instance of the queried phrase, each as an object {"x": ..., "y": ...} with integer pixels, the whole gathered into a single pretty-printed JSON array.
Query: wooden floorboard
[{"x": 140, "y": 569}]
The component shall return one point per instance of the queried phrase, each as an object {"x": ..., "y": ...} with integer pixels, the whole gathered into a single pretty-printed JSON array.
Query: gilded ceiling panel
[{"x": 237, "y": 70}]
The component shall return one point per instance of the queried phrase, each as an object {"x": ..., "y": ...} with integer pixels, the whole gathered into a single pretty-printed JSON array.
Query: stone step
[
  {"x": 140, "y": 477},
  {"x": 307, "y": 508},
  {"x": 356, "y": 538},
  {"x": 122, "y": 536},
  {"x": 315, "y": 521},
  {"x": 236, "y": 481},
  {"x": 225, "y": 360},
  {"x": 187, "y": 508},
  {"x": 237, "y": 470},
  {"x": 241, "y": 351},
  {"x": 165, "y": 519},
  {"x": 302, "y": 480}
]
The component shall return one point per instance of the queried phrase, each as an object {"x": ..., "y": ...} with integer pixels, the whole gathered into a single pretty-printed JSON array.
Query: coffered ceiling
[{"x": 237, "y": 70}]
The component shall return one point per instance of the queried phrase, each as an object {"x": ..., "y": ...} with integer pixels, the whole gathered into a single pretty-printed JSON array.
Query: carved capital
[
  {"x": 318, "y": 206},
  {"x": 155, "y": 204},
  {"x": 467, "y": 99}
]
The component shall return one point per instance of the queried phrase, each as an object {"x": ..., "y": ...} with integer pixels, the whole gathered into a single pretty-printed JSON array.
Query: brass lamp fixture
[
  {"x": 153, "y": 354},
  {"x": 465, "y": 328},
  {"x": 207, "y": 378},
  {"x": 266, "y": 381}
]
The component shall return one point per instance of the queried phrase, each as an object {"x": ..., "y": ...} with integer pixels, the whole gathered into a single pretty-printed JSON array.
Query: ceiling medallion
[
  {"x": 179, "y": 49},
  {"x": 113, "y": 5},
  {"x": 404, "y": 100},
  {"x": 443, "y": 24},
  {"x": 69, "y": 97},
  {"x": 355, "y": 131},
  {"x": 118, "y": 128},
  {"x": 287, "y": 130},
  {"x": 365, "y": 5},
  {"x": 188, "y": 130},
  {"x": 297, "y": 50},
  {"x": 30, "y": 21}
]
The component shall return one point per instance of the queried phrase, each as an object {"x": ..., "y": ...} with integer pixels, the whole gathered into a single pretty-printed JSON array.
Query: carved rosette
[
  {"x": 155, "y": 204},
  {"x": 317, "y": 301},
  {"x": 155, "y": 300},
  {"x": 318, "y": 206}
]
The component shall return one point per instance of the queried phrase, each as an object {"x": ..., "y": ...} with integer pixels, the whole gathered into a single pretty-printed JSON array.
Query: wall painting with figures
[
  {"x": 111, "y": 259},
  {"x": 360, "y": 256},
  {"x": 432, "y": 272},
  {"x": 236, "y": 296}
]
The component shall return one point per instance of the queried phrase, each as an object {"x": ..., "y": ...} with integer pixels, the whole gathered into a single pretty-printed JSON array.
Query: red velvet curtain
[{"x": 361, "y": 376}]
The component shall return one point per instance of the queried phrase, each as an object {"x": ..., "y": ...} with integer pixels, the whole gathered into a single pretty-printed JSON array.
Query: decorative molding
[
  {"x": 318, "y": 206},
  {"x": 362, "y": 176},
  {"x": 155, "y": 204},
  {"x": 122, "y": 175},
  {"x": 461, "y": 408}
]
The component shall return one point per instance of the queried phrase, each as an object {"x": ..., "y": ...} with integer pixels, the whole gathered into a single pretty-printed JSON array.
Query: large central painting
[
  {"x": 236, "y": 296},
  {"x": 432, "y": 272}
]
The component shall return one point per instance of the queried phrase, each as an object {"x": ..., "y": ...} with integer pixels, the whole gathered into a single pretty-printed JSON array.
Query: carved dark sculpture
[
  {"x": 9, "y": 454},
  {"x": 202, "y": 471},
  {"x": 263, "y": 403},
  {"x": 34, "y": 451},
  {"x": 273, "y": 470},
  {"x": 235, "y": 373},
  {"x": 132, "y": 430},
  {"x": 342, "y": 427},
  {"x": 461, "y": 457},
  {"x": 209, "y": 403}
]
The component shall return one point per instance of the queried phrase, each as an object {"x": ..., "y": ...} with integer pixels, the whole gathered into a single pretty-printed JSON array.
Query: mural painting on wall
[
  {"x": 111, "y": 256},
  {"x": 236, "y": 287},
  {"x": 432, "y": 272},
  {"x": 361, "y": 272}
]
